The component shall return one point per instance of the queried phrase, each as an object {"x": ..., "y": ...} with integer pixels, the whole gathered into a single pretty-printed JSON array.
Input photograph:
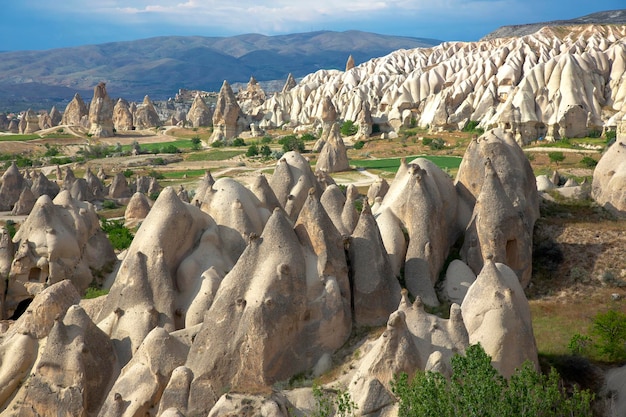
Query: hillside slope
[{"x": 160, "y": 66}]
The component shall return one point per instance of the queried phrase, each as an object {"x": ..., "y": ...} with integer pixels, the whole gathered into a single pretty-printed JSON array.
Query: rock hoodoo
[
  {"x": 101, "y": 113},
  {"x": 75, "y": 111},
  {"x": 226, "y": 114}
]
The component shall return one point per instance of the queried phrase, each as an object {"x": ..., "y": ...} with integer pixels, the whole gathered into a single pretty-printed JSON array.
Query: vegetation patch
[
  {"x": 392, "y": 164},
  {"x": 214, "y": 155}
]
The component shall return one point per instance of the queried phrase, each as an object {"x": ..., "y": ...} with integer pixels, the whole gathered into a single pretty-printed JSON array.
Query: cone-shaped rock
[
  {"x": 146, "y": 115},
  {"x": 225, "y": 116},
  {"x": 609, "y": 177},
  {"x": 334, "y": 155},
  {"x": 11, "y": 188},
  {"x": 75, "y": 111},
  {"x": 101, "y": 113},
  {"x": 199, "y": 114},
  {"x": 122, "y": 117}
]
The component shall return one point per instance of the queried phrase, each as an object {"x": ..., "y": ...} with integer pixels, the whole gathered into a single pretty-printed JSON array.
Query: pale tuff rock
[
  {"x": 68, "y": 178},
  {"x": 421, "y": 200},
  {"x": 101, "y": 174},
  {"x": 609, "y": 178},
  {"x": 334, "y": 155},
  {"x": 176, "y": 393},
  {"x": 148, "y": 287},
  {"x": 146, "y": 115},
  {"x": 101, "y": 113},
  {"x": 544, "y": 183},
  {"x": 333, "y": 202},
  {"x": 237, "y": 212},
  {"x": 349, "y": 215},
  {"x": 25, "y": 203},
  {"x": 328, "y": 118},
  {"x": 44, "y": 120},
  {"x": 19, "y": 345},
  {"x": 31, "y": 122},
  {"x": 376, "y": 291},
  {"x": 7, "y": 250},
  {"x": 497, "y": 315},
  {"x": 615, "y": 389},
  {"x": 59, "y": 240},
  {"x": 291, "y": 181},
  {"x": 270, "y": 284},
  {"x": 75, "y": 111},
  {"x": 146, "y": 185},
  {"x": 226, "y": 114},
  {"x": 204, "y": 185},
  {"x": 119, "y": 187},
  {"x": 513, "y": 169},
  {"x": 199, "y": 114},
  {"x": 182, "y": 194},
  {"x": 349, "y": 63},
  {"x": 75, "y": 365},
  {"x": 497, "y": 231},
  {"x": 262, "y": 190},
  {"x": 137, "y": 208},
  {"x": 258, "y": 405},
  {"x": 95, "y": 188},
  {"x": 42, "y": 185},
  {"x": 55, "y": 116},
  {"x": 12, "y": 184},
  {"x": 14, "y": 126},
  {"x": 289, "y": 83},
  {"x": 122, "y": 117},
  {"x": 432, "y": 333},
  {"x": 252, "y": 97},
  {"x": 533, "y": 86},
  {"x": 459, "y": 277},
  {"x": 378, "y": 189},
  {"x": 142, "y": 381}
]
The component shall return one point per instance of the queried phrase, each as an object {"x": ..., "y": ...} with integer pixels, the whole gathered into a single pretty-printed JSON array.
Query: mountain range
[{"x": 162, "y": 65}]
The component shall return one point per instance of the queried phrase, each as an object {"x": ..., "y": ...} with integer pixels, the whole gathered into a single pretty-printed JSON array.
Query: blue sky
[{"x": 44, "y": 24}]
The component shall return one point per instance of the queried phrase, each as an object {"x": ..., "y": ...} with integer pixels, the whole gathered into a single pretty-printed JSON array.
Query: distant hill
[
  {"x": 160, "y": 66},
  {"x": 610, "y": 17}
]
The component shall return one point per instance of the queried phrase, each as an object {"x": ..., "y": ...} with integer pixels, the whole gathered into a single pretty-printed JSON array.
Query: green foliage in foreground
[
  {"x": 477, "y": 389},
  {"x": 340, "y": 405},
  {"x": 119, "y": 235},
  {"x": 607, "y": 340}
]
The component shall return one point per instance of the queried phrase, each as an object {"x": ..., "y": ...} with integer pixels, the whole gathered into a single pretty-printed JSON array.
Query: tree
[
  {"x": 348, "y": 128},
  {"x": 477, "y": 389},
  {"x": 195, "y": 143},
  {"x": 556, "y": 157},
  {"x": 253, "y": 150}
]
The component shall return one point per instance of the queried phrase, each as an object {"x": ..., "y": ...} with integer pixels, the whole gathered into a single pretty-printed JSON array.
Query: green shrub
[
  {"x": 119, "y": 235},
  {"x": 359, "y": 144},
  {"x": 157, "y": 161},
  {"x": 95, "y": 293},
  {"x": 580, "y": 345},
  {"x": 477, "y": 389},
  {"x": 196, "y": 143},
  {"x": 239, "y": 142},
  {"x": 109, "y": 204},
  {"x": 340, "y": 405},
  {"x": 609, "y": 330},
  {"x": 556, "y": 157},
  {"x": 291, "y": 143},
  {"x": 156, "y": 175},
  {"x": 266, "y": 139},
  {"x": 170, "y": 149},
  {"x": 51, "y": 150},
  {"x": 217, "y": 144},
  {"x": 11, "y": 229},
  {"x": 610, "y": 136},
  {"x": 61, "y": 160},
  {"x": 253, "y": 150},
  {"x": 472, "y": 127},
  {"x": 128, "y": 172},
  {"x": 348, "y": 128},
  {"x": 434, "y": 143},
  {"x": 265, "y": 151},
  {"x": 589, "y": 162},
  {"x": 308, "y": 137}
]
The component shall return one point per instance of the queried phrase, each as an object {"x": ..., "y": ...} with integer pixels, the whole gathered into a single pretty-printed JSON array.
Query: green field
[
  {"x": 214, "y": 155},
  {"x": 392, "y": 164},
  {"x": 18, "y": 138}
]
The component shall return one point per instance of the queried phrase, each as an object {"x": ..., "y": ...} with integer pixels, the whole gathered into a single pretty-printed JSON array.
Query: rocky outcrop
[
  {"x": 101, "y": 113},
  {"x": 31, "y": 122},
  {"x": 546, "y": 84},
  {"x": 349, "y": 63},
  {"x": 122, "y": 117},
  {"x": 25, "y": 203},
  {"x": 11, "y": 188},
  {"x": 609, "y": 177},
  {"x": 55, "y": 116},
  {"x": 137, "y": 208},
  {"x": 334, "y": 155},
  {"x": 146, "y": 116},
  {"x": 497, "y": 315},
  {"x": 119, "y": 187},
  {"x": 59, "y": 240},
  {"x": 252, "y": 97},
  {"x": 289, "y": 83},
  {"x": 75, "y": 111},
  {"x": 199, "y": 114},
  {"x": 225, "y": 116}
]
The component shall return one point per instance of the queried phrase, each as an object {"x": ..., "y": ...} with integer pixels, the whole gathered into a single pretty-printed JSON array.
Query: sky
[{"x": 45, "y": 24}]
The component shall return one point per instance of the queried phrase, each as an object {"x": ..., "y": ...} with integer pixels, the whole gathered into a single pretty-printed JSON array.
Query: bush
[
  {"x": 239, "y": 142},
  {"x": 265, "y": 151},
  {"x": 359, "y": 144},
  {"x": 589, "y": 162},
  {"x": 477, "y": 389},
  {"x": 266, "y": 139},
  {"x": 609, "y": 330},
  {"x": 109, "y": 204},
  {"x": 291, "y": 143},
  {"x": 119, "y": 235},
  {"x": 170, "y": 149},
  {"x": 95, "y": 293},
  {"x": 610, "y": 136},
  {"x": 196, "y": 143},
  {"x": 434, "y": 143},
  {"x": 472, "y": 127},
  {"x": 253, "y": 150},
  {"x": 348, "y": 128},
  {"x": 308, "y": 137},
  {"x": 156, "y": 175},
  {"x": 11, "y": 229},
  {"x": 158, "y": 161},
  {"x": 217, "y": 144},
  {"x": 128, "y": 172},
  {"x": 556, "y": 157},
  {"x": 51, "y": 150}
]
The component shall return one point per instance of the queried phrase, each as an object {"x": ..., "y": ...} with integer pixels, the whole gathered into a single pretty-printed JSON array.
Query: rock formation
[
  {"x": 75, "y": 111},
  {"x": 137, "y": 208},
  {"x": 31, "y": 122},
  {"x": 609, "y": 177},
  {"x": 101, "y": 113},
  {"x": 226, "y": 114},
  {"x": 25, "y": 203},
  {"x": 349, "y": 63},
  {"x": 289, "y": 83},
  {"x": 334, "y": 155},
  {"x": 119, "y": 187},
  {"x": 11, "y": 188},
  {"x": 199, "y": 114},
  {"x": 146, "y": 115},
  {"x": 59, "y": 240},
  {"x": 55, "y": 116},
  {"x": 122, "y": 117}
]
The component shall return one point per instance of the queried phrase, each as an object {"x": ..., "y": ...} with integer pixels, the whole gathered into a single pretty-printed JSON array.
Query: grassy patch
[
  {"x": 18, "y": 138},
  {"x": 392, "y": 164},
  {"x": 214, "y": 155},
  {"x": 177, "y": 175}
]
